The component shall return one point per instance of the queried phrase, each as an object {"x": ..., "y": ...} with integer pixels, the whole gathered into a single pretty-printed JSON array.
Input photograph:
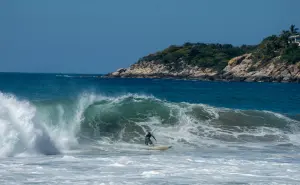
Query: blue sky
[{"x": 97, "y": 36}]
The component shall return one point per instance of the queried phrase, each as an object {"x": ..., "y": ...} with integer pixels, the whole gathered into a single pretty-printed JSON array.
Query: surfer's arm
[{"x": 153, "y": 137}]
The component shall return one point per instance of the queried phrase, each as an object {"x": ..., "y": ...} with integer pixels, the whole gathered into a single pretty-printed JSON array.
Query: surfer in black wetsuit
[{"x": 148, "y": 140}]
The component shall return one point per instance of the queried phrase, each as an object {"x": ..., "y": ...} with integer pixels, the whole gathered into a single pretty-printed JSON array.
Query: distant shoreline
[{"x": 200, "y": 79}]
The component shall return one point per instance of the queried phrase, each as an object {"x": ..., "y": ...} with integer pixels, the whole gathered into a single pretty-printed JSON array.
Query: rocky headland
[{"x": 275, "y": 59}]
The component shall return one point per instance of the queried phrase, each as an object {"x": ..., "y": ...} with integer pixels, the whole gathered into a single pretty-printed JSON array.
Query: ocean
[{"x": 81, "y": 129}]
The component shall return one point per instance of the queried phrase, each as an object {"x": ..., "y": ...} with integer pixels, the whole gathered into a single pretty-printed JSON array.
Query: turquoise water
[
  {"x": 55, "y": 126},
  {"x": 278, "y": 97}
]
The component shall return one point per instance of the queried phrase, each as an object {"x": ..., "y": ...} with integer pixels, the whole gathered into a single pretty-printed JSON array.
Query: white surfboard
[{"x": 159, "y": 147}]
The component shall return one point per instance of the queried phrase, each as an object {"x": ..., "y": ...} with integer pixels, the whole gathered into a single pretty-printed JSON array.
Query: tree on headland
[
  {"x": 284, "y": 37},
  {"x": 293, "y": 29}
]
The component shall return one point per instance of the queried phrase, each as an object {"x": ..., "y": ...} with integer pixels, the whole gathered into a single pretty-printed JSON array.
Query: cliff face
[
  {"x": 244, "y": 69},
  {"x": 241, "y": 68}
]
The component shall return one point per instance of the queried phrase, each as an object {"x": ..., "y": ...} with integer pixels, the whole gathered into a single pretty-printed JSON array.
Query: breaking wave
[{"x": 53, "y": 126}]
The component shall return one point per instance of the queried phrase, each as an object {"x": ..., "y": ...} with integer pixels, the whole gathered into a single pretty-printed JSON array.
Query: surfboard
[{"x": 159, "y": 147}]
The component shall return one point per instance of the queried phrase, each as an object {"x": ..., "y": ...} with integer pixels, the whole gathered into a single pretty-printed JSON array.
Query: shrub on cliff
[{"x": 292, "y": 54}]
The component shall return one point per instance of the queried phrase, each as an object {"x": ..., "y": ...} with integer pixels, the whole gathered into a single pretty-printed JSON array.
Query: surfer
[{"x": 148, "y": 140}]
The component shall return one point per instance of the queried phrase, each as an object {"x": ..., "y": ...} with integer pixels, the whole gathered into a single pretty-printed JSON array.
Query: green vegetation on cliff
[
  {"x": 216, "y": 56},
  {"x": 275, "y": 46},
  {"x": 198, "y": 54}
]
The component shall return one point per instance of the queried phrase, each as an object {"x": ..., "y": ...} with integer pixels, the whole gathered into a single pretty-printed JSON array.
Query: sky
[{"x": 98, "y": 36}]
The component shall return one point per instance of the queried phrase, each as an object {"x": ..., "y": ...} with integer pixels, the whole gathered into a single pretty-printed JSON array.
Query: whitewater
[{"x": 66, "y": 129}]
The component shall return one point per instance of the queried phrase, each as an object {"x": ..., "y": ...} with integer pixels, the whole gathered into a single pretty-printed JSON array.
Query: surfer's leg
[
  {"x": 150, "y": 142},
  {"x": 146, "y": 141}
]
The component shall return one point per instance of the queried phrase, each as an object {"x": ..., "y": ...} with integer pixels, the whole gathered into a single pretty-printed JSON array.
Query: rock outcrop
[{"x": 241, "y": 68}]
